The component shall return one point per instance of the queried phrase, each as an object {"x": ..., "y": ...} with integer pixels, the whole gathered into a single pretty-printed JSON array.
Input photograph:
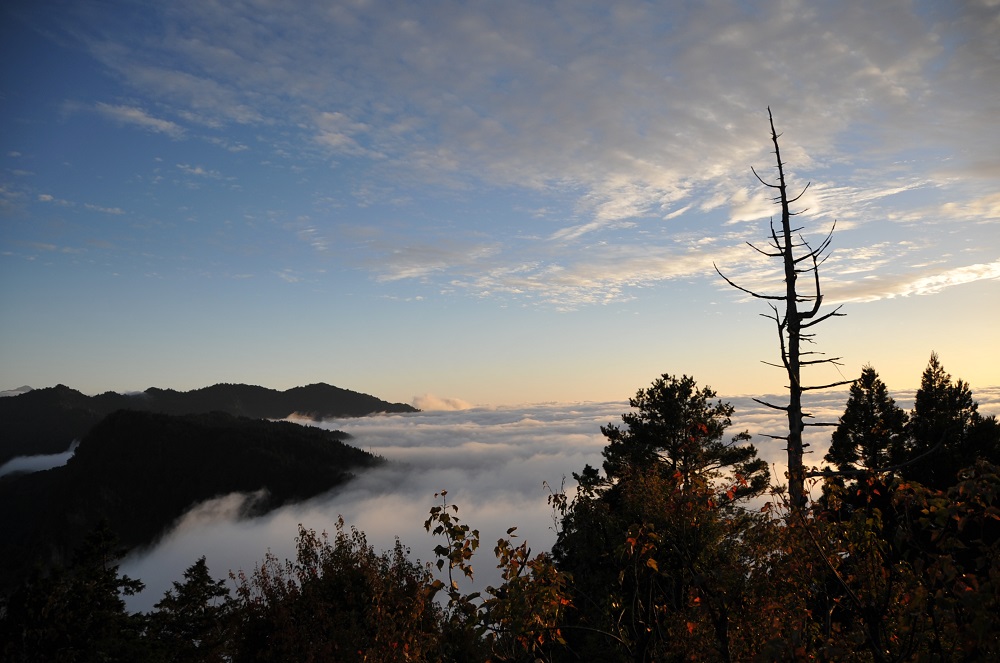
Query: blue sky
[{"x": 492, "y": 202}]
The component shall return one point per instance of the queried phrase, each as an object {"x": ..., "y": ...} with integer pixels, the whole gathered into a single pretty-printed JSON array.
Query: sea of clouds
[{"x": 497, "y": 464}]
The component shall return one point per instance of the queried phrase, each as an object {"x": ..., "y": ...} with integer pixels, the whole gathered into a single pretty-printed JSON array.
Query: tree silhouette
[
  {"x": 191, "y": 621},
  {"x": 871, "y": 431},
  {"x": 794, "y": 251},
  {"x": 652, "y": 546},
  {"x": 944, "y": 414},
  {"x": 677, "y": 428},
  {"x": 75, "y": 614}
]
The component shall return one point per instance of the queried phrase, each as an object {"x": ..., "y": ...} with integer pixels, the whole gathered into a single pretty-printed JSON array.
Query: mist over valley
[{"x": 497, "y": 464}]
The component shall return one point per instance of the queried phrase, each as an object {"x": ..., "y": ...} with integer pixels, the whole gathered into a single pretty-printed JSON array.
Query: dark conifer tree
[
  {"x": 677, "y": 429},
  {"x": 944, "y": 416},
  {"x": 659, "y": 530},
  {"x": 871, "y": 432},
  {"x": 192, "y": 620},
  {"x": 76, "y": 614}
]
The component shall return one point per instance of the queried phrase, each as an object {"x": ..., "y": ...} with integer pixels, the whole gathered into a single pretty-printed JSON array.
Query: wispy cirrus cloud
[
  {"x": 340, "y": 134},
  {"x": 117, "y": 211},
  {"x": 977, "y": 210},
  {"x": 600, "y": 275},
  {"x": 419, "y": 260},
  {"x": 962, "y": 206},
  {"x": 925, "y": 282},
  {"x": 49, "y": 198},
  {"x": 288, "y": 275},
  {"x": 211, "y": 102},
  {"x": 54, "y": 248},
  {"x": 554, "y": 122},
  {"x": 200, "y": 171},
  {"x": 134, "y": 116}
]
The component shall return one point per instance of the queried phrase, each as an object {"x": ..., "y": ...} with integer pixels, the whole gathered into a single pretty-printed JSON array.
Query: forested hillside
[{"x": 140, "y": 471}]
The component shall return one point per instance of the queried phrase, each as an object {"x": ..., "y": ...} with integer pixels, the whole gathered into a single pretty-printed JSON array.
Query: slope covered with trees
[{"x": 140, "y": 471}]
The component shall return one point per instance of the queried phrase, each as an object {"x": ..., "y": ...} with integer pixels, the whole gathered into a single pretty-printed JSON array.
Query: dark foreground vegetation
[{"x": 659, "y": 557}]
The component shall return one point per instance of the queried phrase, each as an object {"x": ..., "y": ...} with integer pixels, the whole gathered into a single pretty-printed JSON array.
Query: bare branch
[
  {"x": 832, "y": 314},
  {"x": 774, "y": 234},
  {"x": 773, "y": 186},
  {"x": 783, "y": 408},
  {"x": 749, "y": 292},
  {"x": 828, "y": 360},
  {"x": 801, "y": 193},
  {"x": 827, "y": 472},
  {"x": 763, "y": 252},
  {"x": 829, "y": 386}
]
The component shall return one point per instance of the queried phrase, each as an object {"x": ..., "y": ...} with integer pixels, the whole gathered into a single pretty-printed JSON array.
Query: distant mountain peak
[{"x": 46, "y": 420}]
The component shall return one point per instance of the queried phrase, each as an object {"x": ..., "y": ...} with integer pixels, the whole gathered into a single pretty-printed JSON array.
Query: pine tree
[
  {"x": 944, "y": 414},
  {"x": 76, "y": 614},
  {"x": 652, "y": 546},
  {"x": 191, "y": 620},
  {"x": 676, "y": 428},
  {"x": 871, "y": 432}
]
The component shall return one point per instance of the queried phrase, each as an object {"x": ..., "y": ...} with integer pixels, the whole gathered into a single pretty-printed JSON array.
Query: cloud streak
[
  {"x": 131, "y": 115},
  {"x": 930, "y": 282},
  {"x": 430, "y": 402}
]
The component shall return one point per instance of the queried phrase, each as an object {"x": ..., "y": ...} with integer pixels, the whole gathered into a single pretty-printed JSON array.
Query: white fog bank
[
  {"x": 494, "y": 463},
  {"x": 38, "y": 462}
]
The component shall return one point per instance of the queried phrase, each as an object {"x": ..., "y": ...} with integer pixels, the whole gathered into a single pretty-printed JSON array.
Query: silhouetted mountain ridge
[{"x": 46, "y": 421}]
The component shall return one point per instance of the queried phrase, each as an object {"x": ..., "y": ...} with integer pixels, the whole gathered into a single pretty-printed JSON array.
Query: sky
[{"x": 492, "y": 203}]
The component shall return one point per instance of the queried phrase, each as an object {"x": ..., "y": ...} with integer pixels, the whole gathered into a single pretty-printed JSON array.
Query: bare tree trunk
[
  {"x": 790, "y": 326},
  {"x": 796, "y": 480}
]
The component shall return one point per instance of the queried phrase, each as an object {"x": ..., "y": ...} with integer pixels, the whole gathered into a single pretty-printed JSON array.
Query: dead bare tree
[{"x": 798, "y": 257}]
